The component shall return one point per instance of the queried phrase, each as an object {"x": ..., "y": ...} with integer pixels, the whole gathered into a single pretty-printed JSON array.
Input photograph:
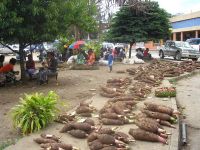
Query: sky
[{"x": 179, "y": 6}]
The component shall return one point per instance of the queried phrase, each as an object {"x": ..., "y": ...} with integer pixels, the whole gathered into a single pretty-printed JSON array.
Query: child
[
  {"x": 110, "y": 61},
  {"x": 43, "y": 71}
]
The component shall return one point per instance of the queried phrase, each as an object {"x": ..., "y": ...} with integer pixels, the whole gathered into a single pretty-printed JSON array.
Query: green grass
[{"x": 7, "y": 143}]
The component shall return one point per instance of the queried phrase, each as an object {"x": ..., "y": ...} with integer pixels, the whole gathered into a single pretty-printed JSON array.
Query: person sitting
[
  {"x": 91, "y": 57},
  {"x": 48, "y": 70},
  {"x": 139, "y": 53},
  {"x": 147, "y": 55},
  {"x": 30, "y": 66},
  {"x": 7, "y": 71},
  {"x": 80, "y": 57},
  {"x": 2, "y": 58}
]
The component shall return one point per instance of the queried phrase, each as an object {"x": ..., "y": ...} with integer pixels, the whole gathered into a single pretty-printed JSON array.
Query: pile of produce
[
  {"x": 65, "y": 118},
  {"x": 85, "y": 110},
  {"x": 108, "y": 139},
  {"x": 117, "y": 113},
  {"x": 52, "y": 142},
  {"x": 79, "y": 129},
  {"x": 165, "y": 92},
  {"x": 119, "y": 83},
  {"x": 151, "y": 123},
  {"x": 140, "y": 90},
  {"x": 111, "y": 92}
]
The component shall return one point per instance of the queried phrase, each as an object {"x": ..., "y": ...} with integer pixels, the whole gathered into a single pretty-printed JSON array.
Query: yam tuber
[
  {"x": 158, "y": 115},
  {"x": 49, "y": 136},
  {"x": 78, "y": 133},
  {"x": 111, "y": 115},
  {"x": 44, "y": 141},
  {"x": 96, "y": 145},
  {"x": 57, "y": 146},
  {"x": 90, "y": 121},
  {"x": 106, "y": 121},
  {"x": 84, "y": 109},
  {"x": 142, "y": 135},
  {"x": 83, "y": 126},
  {"x": 67, "y": 127},
  {"x": 160, "y": 108}
]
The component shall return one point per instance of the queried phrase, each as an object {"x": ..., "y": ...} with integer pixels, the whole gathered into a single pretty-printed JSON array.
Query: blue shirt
[{"x": 110, "y": 59}]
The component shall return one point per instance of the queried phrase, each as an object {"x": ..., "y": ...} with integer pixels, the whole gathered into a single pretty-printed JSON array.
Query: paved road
[{"x": 188, "y": 97}]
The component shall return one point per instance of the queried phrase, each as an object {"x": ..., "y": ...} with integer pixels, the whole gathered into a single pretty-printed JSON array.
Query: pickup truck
[{"x": 178, "y": 50}]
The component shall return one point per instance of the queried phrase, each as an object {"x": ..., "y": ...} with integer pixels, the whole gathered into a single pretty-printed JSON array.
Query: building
[{"x": 185, "y": 26}]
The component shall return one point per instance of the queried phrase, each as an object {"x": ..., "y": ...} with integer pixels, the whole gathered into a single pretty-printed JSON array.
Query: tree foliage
[{"x": 130, "y": 26}]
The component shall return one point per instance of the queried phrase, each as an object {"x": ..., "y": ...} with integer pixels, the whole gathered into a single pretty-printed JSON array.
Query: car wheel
[
  {"x": 178, "y": 56},
  {"x": 161, "y": 54}
]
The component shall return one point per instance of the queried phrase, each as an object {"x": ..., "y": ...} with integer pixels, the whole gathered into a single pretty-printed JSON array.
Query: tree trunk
[
  {"x": 131, "y": 44},
  {"x": 22, "y": 63}
]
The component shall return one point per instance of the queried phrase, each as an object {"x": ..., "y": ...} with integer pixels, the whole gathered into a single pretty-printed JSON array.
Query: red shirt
[
  {"x": 6, "y": 68},
  {"x": 30, "y": 65},
  {"x": 146, "y": 53}
]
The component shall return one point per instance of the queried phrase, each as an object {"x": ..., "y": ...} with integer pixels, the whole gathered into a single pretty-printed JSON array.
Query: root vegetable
[
  {"x": 140, "y": 134},
  {"x": 159, "y": 108},
  {"x": 108, "y": 90},
  {"x": 93, "y": 136},
  {"x": 67, "y": 127},
  {"x": 112, "y": 121},
  {"x": 158, "y": 115},
  {"x": 83, "y": 126},
  {"x": 85, "y": 114},
  {"x": 111, "y": 116},
  {"x": 43, "y": 141},
  {"x": 123, "y": 137},
  {"x": 106, "y": 131},
  {"x": 57, "y": 146},
  {"x": 90, "y": 121},
  {"x": 83, "y": 109},
  {"x": 106, "y": 139},
  {"x": 78, "y": 133},
  {"x": 96, "y": 145},
  {"x": 166, "y": 123},
  {"x": 110, "y": 95},
  {"x": 49, "y": 136}
]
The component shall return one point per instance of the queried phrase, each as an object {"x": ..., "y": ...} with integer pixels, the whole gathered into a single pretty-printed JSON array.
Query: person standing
[
  {"x": 30, "y": 66},
  {"x": 110, "y": 60}
]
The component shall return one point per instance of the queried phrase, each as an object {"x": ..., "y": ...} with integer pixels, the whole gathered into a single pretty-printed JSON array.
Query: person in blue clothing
[{"x": 110, "y": 60}]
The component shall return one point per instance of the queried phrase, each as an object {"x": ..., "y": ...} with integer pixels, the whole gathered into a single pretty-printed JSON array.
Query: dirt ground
[{"x": 73, "y": 86}]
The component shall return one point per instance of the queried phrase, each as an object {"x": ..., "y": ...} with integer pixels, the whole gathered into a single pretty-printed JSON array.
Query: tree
[
  {"x": 80, "y": 17},
  {"x": 130, "y": 26},
  {"x": 26, "y": 22}
]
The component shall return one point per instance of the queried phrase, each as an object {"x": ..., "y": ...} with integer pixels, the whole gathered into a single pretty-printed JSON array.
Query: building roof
[{"x": 185, "y": 17}]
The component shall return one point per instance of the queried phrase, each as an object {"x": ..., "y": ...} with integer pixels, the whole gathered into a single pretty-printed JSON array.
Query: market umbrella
[{"x": 77, "y": 44}]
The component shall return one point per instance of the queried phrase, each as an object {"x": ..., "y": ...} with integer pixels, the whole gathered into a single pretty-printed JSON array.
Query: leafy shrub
[{"x": 35, "y": 111}]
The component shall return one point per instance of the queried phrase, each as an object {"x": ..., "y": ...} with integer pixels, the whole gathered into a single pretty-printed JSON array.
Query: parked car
[
  {"x": 178, "y": 50},
  {"x": 195, "y": 43}
]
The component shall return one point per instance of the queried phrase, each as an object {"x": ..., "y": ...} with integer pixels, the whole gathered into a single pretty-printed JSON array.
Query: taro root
[
  {"x": 106, "y": 121},
  {"x": 90, "y": 121},
  {"x": 166, "y": 123},
  {"x": 67, "y": 127},
  {"x": 123, "y": 137},
  {"x": 158, "y": 115},
  {"x": 160, "y": 108},
  {"x": 49, "y": 136},
  {"x": 83, "y": 126},
  {"x": 106, "y": 131},
  {"x": 143, "y": 135},
  {"x": 85, "y": 114},
  {"x": 108, "y": 139},
  {"x": 93, "y": 136},
  {"x": 44, "y": 141},
  {"x": 112, "y": 95},
  {"x": 78, "y": 133},
  {"x": 57, "y": 146},
  {"x": 84, "y": 109},
  {"x": 151, "y": 126},
  {"x": 111, "y": 115},
  {"x": 96, "y": 145}
]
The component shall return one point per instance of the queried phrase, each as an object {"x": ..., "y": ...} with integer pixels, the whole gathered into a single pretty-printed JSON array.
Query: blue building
[{"x": 185, "y": 26}]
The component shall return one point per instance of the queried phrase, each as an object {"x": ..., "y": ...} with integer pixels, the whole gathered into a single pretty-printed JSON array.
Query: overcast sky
[{"x": 180, "y": 6}]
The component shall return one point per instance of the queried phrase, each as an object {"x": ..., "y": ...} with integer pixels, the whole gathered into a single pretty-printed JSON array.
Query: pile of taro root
[
  {"x": 108, "y": 139},
  {"x": 155, "y": 72},
  {"x": 52, "y": 142},
  {"x": 151, "y": 122},
  {"x": 83, "y": 110}
]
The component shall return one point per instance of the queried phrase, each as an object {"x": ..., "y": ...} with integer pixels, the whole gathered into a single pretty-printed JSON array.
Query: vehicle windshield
[{"x": 183, "y": 44}]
